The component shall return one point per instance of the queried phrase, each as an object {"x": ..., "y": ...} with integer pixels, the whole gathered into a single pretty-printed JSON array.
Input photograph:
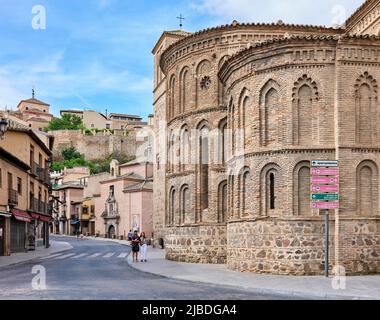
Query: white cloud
[{"x": 290, "y": 11}]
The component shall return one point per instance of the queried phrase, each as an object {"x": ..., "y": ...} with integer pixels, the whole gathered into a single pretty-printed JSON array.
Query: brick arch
[
  {"x": 172, "y": 94},
  {"x": 245, "y": 191},
  {"x": 184, "y": 148},
  {"x": 223, "y": 140},
  {"x": 366, "y": 109},
  {"x": 172, "y": 206},
  {"x": 266, "y": 194},
  {"x": 301, "y": 189},
  {"x": 305, "y": 96},
  {"x": 220, "y": 84},
  {"x": 185, "y": 205},
  {"x": 241, "y": 114},
  {"x": 203, "y": 97},
  {"x": 269, "y": 115},
  {"x": 222, "y": 201},
  {"x": 367, "y": 187},
  {"x": 185, "y": 90}
]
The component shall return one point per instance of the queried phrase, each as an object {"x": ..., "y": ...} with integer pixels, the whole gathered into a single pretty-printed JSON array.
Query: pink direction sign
[
  {"x": 326, "y": 205},
  {"x": 324, "y": 180},
  {"x": 325, "y": 171},
  {"x": 325, "y": 189}
]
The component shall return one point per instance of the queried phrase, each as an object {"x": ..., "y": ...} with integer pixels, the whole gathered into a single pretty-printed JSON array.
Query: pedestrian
[
  {"x": 130, "y": 235},
  {"x": 144, "y": 247},
  {"x": 135, "y": 246}
]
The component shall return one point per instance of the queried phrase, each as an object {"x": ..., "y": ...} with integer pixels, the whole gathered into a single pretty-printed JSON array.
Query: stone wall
[
  {"x": 97, "y": 146},
  {"x": 278, "y": 246},
  {"x": 197, "y": 244}
]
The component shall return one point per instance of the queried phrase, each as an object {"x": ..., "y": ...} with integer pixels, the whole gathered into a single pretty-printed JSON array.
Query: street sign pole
[{"x": 327, "y": 234}]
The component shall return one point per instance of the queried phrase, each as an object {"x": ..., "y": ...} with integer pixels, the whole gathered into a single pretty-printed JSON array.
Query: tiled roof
[
  {"x": 295, "y": 38},
  {"x": 35, "y": 101},
  {"x": 145, "y": 185},
  {"x": 359, "y": 10}
]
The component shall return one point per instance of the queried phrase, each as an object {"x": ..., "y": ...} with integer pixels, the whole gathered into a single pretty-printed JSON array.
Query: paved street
[{"x": 99, "y": 270}]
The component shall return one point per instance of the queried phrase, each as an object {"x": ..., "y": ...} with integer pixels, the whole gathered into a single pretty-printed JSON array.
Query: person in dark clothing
[{"x": 135, "y": 246}]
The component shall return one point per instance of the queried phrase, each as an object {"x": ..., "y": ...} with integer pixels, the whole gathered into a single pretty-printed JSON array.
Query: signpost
[{"x": 325, "y": 194}]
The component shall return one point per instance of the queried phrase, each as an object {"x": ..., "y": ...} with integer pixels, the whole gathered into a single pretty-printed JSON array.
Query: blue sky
[{"x": 96, "y": 54}]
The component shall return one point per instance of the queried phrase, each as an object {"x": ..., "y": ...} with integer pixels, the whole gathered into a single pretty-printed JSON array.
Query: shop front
[
  {"x": 40, "y": 230},
  {"x": 4, "y": 233},
  {"x": 19, "y": 229}
]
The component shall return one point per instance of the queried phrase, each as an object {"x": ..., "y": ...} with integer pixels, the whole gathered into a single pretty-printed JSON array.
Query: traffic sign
[
  {"x": 325, "y": 171},
  {"x": 326, "y": 205},
  {"x": 325, "y": 163},
  {"x": 325, "y": 188},
  {"x": 324, "y": 180},
  {"x": 325, "y": 197}
]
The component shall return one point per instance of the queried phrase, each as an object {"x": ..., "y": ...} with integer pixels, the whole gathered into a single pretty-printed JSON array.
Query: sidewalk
[
  {"x": 40, "y": 252},
  {"x": 357, "y": 288},
  {"x": 123, "y": 242}
]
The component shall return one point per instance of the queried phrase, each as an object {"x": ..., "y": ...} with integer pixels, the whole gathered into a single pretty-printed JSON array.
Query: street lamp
[{"x": 3, "y": 127}]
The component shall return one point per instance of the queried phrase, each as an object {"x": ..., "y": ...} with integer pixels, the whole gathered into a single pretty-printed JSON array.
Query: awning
[
  {"x": 21, "y": 216},
  {"x": 41, "y": 217}
]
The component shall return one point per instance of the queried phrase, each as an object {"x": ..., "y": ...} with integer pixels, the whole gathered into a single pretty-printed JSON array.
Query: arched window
[
  {"x": 204, "y": 163},
  {"x": 231, "y": 200},
  {"x": 222, "y": 142},
  {"x": 172, "y": 207},
  {"x": 172, "y": 98},
  {"x": 301, "y": 189},
  {"x": 185, "y": 90},
  {"x": 366, "y": 109},
  {"x": 185, "y": 204},
  {"x": 222, "y": 202},
  {"x": 184, "y": 148},
  {"x": 269, "y": 190},
  {"x": 367, "y": 189},
  {"x": 272, "y": 195},
  {"x": 245, "y": 192},
  {"x": 270, "y": 124},
  {"x": 305, "y": 95}
]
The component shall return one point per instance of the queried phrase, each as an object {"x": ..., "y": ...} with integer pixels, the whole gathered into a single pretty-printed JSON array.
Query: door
[
  {"x": 111, "y": 232},
  {"x": 18, "y": 236}
]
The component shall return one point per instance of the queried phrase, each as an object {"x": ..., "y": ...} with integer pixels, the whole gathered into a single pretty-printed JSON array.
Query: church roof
[
  {"x": 176, "y": 33},
  {"x": 363, "y": 9},
  {"x": 311, "y": 38},
  {"x": 35, "y": 101}
]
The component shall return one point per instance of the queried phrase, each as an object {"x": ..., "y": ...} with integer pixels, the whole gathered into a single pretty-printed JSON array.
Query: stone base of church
[
  {"x": 197, "y": 244},
  {"x": 279, "y": 246}
]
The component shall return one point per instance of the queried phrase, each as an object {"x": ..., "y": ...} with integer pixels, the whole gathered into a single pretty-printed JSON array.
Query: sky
[{"x": 96, "y": 54}]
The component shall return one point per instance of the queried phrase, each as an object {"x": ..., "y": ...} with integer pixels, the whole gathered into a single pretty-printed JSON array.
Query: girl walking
[
  {"x": 135, "y": 247},
  {"x": 144, "y": 247}
]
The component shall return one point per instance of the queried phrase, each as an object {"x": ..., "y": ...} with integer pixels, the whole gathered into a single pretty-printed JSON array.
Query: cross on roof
[{"x": 180, "y": 18}]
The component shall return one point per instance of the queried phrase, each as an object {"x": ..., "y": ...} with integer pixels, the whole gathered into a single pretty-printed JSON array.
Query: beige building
[
  {"x": 125, "y": 201},
  {"x": 24, "y": 189},
  {"x": 34, "y": 112},
  {"x": 247, "y": 107},
  {"x": 114, "y": 121},
  {"x": 66, "y": 208}
]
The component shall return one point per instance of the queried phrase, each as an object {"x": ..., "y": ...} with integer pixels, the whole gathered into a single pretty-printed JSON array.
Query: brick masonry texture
[{"x": 289, "y": 95}]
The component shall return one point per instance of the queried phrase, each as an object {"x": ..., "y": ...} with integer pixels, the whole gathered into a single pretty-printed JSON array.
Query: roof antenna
[{"x": 180, "y": 18}]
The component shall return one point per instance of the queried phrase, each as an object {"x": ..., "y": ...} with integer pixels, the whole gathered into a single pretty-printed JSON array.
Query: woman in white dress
[{"x": 143, "y": 246}]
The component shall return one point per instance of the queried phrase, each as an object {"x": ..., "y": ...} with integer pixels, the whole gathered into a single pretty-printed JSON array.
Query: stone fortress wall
[{"x": 95, "y": 146}]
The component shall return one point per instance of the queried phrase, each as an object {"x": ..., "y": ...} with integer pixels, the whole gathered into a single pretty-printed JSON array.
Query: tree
[
  {"x": 67, "y": 122},
  {"x": 71, "y": 153}
]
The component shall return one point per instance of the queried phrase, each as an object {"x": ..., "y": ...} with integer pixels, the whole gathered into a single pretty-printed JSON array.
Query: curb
[
  {"x": 93, "y": 238},
  {"x": 263, "y": 291}
]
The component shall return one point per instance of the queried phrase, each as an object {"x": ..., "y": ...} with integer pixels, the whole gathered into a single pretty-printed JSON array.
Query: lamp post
[{"x": 3, "y": 127}]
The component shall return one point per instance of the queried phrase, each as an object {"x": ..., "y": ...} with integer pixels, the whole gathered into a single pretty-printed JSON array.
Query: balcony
[
  {"x": 38, "y": 206},
  {"x": 12, "y": 197},
  {"x": 34, "y": 169}
]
